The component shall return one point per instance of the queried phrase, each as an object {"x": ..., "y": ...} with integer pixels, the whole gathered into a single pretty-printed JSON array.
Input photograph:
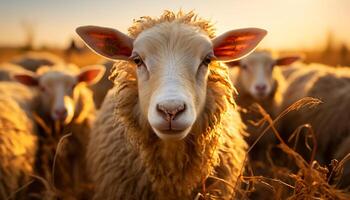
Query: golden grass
[{"x": 296, "y": 180}]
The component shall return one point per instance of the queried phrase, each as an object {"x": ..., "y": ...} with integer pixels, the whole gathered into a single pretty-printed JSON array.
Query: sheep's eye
[
  {"x": 207, "y": 60},
  {"x": 137, "y": 60},
  {"x": 244, "y": 67}
]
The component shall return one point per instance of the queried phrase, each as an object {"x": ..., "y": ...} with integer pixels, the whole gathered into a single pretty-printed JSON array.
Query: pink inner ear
[
  {"x": 109, "y": 43},
  {"x": 26, "y": 79},
  {"x": 235, "y": 45},
  {"x": 88, "y": 76}
]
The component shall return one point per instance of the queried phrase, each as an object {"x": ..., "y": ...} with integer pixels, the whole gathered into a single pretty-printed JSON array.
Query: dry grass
[{"x": 292, "y": 178}]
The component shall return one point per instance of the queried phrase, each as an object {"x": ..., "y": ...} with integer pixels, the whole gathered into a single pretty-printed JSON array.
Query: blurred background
[{"x": 317, "y": 29}]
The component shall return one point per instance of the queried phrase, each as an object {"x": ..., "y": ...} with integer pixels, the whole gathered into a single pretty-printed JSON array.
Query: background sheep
[
  {"x": 33, "y": 60},
  {"x": 18, "y": 139},
  {"x": 170, "y": 122},
  {"x": 7, "y": 70},
  {"x": 258, "y": 79},
  {"x": 66, "y": 101},
  {"x": 329, "y": 120}
]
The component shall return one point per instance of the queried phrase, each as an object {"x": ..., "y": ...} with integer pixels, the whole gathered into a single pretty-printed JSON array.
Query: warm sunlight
[{"x": 299, "y": 24}]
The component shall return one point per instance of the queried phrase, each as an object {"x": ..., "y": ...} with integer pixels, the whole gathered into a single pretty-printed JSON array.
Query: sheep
[
  {"x": 329, "y": 120},
  {"x": 33, "y": 60},
  {"x": 18, "y": 139},
  {"x": 259, "y": 79},
  {"x": 65, "y": 99},
  {"x": 101, "y": 88},
  {"x": 8, "y": 69},
  {"x": 169, "y": 124}
]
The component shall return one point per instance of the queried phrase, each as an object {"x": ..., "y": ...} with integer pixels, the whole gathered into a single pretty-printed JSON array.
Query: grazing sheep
[
  {"x": 258, "y": 79},
  {"x": 169, "y": 124},
  {"x": 7, "y": 70},
  {"x": 329, "y": 120},
  {"x": 18, "y": 140},
  {"x": 66, "y": 99},
  {"x": 33, "y": 60},
  {"x": 101, "y": 88}
]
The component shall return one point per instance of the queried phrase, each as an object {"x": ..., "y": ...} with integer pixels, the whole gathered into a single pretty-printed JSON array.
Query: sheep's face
[
  {"x": 171, "y": 61},
  {"x": 57, "y": 93},
  {"x": 172, "y": 69},
  {"x": 257, "y": 73},
  {"x": 59, "y": 89}
]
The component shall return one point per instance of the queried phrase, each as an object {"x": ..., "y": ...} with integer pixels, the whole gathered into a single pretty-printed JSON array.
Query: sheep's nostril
[
  {"x": 260, "y": 88},
  {"x": 61, "y": 113},
  {"x": 170, "y": 111}
]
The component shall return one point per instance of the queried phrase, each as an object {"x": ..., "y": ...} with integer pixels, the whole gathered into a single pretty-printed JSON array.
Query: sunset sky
[{"x": 293, "y": 24}]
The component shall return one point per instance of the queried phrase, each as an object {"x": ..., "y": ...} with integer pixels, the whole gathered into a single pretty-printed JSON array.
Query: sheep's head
[
  {"x": 256, "y": 72},
  {"x": 171, "y": 61},
  {"x": 59, "y": 87}
]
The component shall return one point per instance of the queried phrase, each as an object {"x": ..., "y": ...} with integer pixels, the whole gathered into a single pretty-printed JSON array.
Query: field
[
  {"x": 48, "y": 112},
  {"x": 284, "y": 175}
]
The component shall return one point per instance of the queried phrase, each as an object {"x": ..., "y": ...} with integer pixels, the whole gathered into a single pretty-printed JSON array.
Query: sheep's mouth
[
  {"x": 171, "y": 132},
  {"x": 171, "y": 135},
  {"x": 261, "y": 95}
]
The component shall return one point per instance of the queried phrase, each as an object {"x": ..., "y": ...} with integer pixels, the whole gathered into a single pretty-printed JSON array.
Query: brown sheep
[
  {"x": 18, "y": 139},
  {"x": 169, "y": 124}
]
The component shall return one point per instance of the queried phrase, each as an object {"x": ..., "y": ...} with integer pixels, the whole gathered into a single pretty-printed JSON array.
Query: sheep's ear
[
  {"x": 91, "y": 74},
  {"x": 107, "y": 42},
  {"x": 236, "y": 44},
  {"x": 287, "y": 60},
  {"x": 235, "y": 63},
  {"x": 27, "y": 79}
]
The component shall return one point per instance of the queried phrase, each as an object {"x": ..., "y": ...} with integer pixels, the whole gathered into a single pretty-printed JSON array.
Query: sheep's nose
[
  {"x": 260, "y": 88},
  {"x": 61, "y": 113},
  {"x": 170, "y": 109}
]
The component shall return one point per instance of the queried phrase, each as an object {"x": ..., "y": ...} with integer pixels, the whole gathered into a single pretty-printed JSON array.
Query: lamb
[
  {"x": 259, "y": 79},
  {"x": 18, "y": 139},
  {"x": 101, "y": 88},
  {"x": 169, "y": 124},
  {"x": 65, "y": 100},
  {"x": 33, "y": 60},
  {"x": 329, "y": 120}
]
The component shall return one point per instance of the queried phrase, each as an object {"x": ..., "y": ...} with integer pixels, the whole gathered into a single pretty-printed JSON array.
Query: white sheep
[
  {"x": 169, "y": 124},
  {"x": 258, "y": 79},
  {"x": 18, "y": 139},
  {"x": 65, "y": 98}
]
